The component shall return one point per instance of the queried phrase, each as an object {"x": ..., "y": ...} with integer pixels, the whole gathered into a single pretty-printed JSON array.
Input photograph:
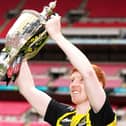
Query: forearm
[
  {"x": 38, "y": 99},
  {"x": 75, "y": 56},
  {"x": 24, "y": 80}
]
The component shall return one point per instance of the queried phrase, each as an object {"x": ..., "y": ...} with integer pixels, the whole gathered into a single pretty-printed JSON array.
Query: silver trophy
[{"x": 24, "y": 39}]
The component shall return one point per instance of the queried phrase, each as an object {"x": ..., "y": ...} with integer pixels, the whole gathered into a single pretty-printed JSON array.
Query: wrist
[{"x": 57, "y": 36}]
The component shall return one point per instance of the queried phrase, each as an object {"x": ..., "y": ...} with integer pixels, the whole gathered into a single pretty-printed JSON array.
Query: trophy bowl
[{"x": 26, "y": 37}]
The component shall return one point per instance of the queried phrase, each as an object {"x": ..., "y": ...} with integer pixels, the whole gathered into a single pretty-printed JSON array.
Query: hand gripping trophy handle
[{"x": 24, "y": 40}]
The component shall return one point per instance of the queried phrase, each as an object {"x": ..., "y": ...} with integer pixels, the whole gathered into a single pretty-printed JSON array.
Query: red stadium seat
[
  {"x": 7, "y": 123},
  {"x": 43, "y": 81},
  {"x": 106, "y": 8},
  {"x": 13, "y": 108},
  {"x": 112, "y": 69},
  {"x": 61, "y": 8},
  {"x": 4, "y": 9},
  {"x": 113, "y": 83},
  {"x": 6, "y": 29},
  {"x": 39, "y": 67},
  {"x": 61, "y": 82},
  {"x": 43, "y": 67}
]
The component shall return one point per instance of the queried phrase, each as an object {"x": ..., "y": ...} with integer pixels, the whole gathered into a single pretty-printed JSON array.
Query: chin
[
  {"x": 78, "y": 101},
  {"x": 75, "y": 101}
]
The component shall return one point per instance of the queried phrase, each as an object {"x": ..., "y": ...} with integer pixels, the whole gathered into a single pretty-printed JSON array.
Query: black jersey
[{"x": 59, "y": 114}]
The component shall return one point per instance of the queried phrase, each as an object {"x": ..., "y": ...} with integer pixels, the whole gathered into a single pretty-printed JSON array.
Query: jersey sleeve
[
  {"x": 105, "y": 116},
  {"x": 55, "y": 110}
]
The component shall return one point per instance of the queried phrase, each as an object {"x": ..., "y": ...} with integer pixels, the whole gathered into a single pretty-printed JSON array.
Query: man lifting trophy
[{"x": 24, "y": 40}]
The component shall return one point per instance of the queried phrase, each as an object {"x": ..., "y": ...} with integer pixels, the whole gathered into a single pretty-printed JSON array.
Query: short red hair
[{"x": 99, "y": 72}]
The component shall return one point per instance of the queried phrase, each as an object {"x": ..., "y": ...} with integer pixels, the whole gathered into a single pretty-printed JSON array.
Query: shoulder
[
  {"x": 56, "y": 109},
  {"x": 106, "y": 114}
]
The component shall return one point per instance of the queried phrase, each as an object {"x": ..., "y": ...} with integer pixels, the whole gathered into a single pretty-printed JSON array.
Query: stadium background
[{"x": 97, "y": 27}]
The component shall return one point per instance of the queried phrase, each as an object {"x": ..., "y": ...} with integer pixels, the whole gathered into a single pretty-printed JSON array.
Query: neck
[{"x": 83, "y": 107}]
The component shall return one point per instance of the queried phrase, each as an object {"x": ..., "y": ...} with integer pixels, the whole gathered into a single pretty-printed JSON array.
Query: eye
[
  {"x": 81, "y": 79},
  {"x": 72, "y": 80}
]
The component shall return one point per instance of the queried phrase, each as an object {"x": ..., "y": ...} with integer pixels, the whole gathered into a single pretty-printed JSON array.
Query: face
[{"x": 77, "y": 90}]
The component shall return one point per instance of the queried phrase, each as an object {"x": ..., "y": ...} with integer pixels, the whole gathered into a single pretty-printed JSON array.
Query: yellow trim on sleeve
[{"x": 114, "y": 123}]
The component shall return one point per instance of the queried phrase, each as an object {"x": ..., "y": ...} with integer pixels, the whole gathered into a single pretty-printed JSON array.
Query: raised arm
[
  {"x": 79, "y": 60},
  {"x": 38, "y": 99}
]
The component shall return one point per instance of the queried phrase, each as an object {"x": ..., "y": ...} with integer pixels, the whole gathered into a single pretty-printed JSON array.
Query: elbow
[
  {"x": 89, "y": 73},
  {"x": 22, "y": 91}
]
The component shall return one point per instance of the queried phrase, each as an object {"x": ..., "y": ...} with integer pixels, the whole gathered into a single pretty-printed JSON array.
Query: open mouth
[{"x": 75, "y": 92}]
